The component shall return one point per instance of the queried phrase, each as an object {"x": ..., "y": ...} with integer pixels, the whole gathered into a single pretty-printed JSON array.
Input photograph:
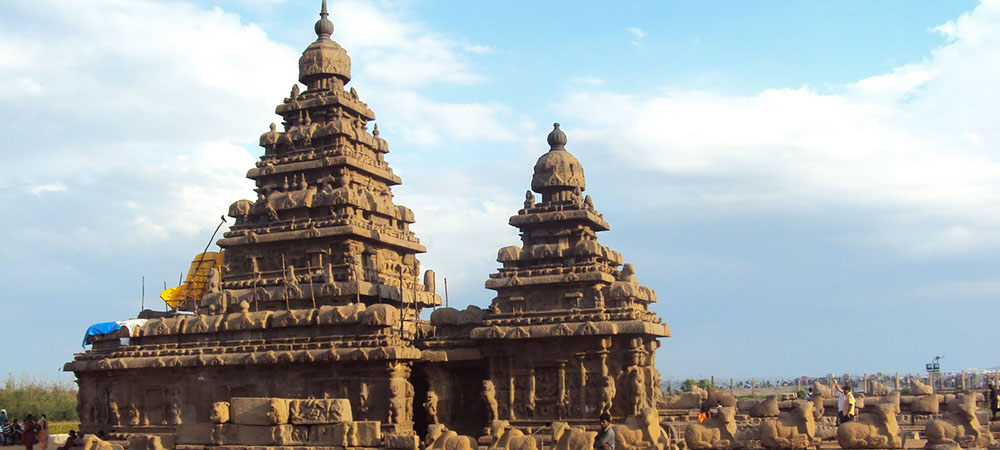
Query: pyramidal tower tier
[
  {"x": 580, "y": 318},
  {"x": 323, "y": 229}
]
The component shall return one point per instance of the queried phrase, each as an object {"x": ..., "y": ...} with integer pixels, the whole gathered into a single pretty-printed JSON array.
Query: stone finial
[
  {"x": 324, "y": 27},
  {"x": 557, "y": 138}
]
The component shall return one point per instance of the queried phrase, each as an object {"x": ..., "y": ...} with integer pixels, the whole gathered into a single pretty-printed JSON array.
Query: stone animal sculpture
[
  {"x": 822, "y": 389},
  {"x": 145, "y": 442},
  {"x": 958, "y": 426},
  {"x": 878, "y": 430},
  {"x": 642, "y": 432},
  {"x": 572, "y": 438},
  {"x": 441, "y": 438},
  {"x": 718, "y": 396},
  {"x": 918, "y": 387},
  {"x": 926, "y": 404},
  {"x": 91, "y": 442},
  {"x": 507, "y": 437},
  {"x": 766, "y": 408},
  {"x": 791, "y": 430},
  {"x": 717, "y": 432},
  {"x": 876, "y": 388}
]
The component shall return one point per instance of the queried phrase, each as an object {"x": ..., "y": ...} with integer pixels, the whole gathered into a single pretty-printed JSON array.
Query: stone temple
[{"x": 311, "y": 333}]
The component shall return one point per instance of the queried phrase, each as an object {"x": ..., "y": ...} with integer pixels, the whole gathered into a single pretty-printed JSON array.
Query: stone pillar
[
  {"x": 864, "y": 384},
  {"x": 897, "y": 381},
  {"x": 753, "y": 386},
  {"x": 798, "y": 385},
  {"x": 963, "y": 380},
  {"x": 713, "y": 380},
  {"x": 732, "y": 387}
]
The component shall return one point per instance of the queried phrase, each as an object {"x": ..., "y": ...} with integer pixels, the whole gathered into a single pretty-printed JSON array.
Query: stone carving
[
  {"x": 926, "y": 404},
  {"x": 958, "y": 426},
  {"x": 319, "y": 411},
  {"x": 791, "y": 430},
  {"x": 637, "y": 390},
  {"x": 822, "y": 390},
  {"x": 878, "y": 430},
  {"x": 91, "y": 442},
  {"x": 441, "y": 438},
  {"x": 506, "y": 437},
  {"x": 320, "y": 293},
  {"x": 918, "y": 387},
  {"x": 719, "y": 397},
  {"x": 876, "y": 388},
  {"x": 607, "y": 394},
  {"x": 490, "y": 397},
  {"x": 431, "y": 406},
  {"x": 642, "y": 432},
  {"x": 571, "y": 438},
  {"x": 220, "y": 412},
  {"x": 174, "y": 410},
  {"x": 766, "y": 408},
  {"x": 716, "y": 432},
  {"x": 145, "y": 442}
]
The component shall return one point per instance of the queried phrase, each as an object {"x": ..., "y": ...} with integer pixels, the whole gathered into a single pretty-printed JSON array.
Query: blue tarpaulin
[{"x": 99, "y": 329}]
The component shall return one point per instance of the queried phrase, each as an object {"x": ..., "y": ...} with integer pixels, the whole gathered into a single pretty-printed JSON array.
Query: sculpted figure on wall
[
  {"x": 918, "y": 387},
  {"x": 174, "y": 410},
  {"x": 637, "y": 384},
  {"x": 397, "y": 402},
  {"x": 607, "y": 394},
  {"x": 431, "y": 406},
  {"x": 490, "y": 397}
]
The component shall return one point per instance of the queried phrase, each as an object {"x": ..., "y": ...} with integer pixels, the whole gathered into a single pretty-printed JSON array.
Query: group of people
[{"x": 28, "y": 433}]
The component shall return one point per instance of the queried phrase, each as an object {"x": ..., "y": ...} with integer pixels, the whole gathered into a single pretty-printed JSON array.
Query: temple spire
[{"x": 324, "y": 27}]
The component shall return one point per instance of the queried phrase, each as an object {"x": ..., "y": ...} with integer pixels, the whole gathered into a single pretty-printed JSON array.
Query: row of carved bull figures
[{"x": 875, "y": 428}]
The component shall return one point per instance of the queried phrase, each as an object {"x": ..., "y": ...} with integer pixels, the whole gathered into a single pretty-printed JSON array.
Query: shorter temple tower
[{"x": 569, "y": 334}]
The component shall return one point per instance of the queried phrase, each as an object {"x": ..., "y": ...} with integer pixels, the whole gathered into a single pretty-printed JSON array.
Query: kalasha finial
[
  {"x": 324, "y": 27},
  {"x": 557, "y": 139}
]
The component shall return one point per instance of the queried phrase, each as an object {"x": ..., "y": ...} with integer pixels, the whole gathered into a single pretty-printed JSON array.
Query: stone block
[
  {"x": 264, "y": 434},
  {"x": 258, "y": 411},
  {"x": 369, "y": 433},
  {"x": 319, "y": 411},
  {"x": 400, "y": 441},
  {"x": 223, "y": 434},
  {"x": 194, "y": 433}
]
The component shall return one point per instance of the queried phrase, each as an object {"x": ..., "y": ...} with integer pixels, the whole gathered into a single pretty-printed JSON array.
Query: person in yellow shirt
[{"x": 845, "y": 403}]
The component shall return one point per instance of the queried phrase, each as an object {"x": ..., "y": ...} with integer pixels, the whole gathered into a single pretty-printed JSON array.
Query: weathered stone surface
[
  {"x": 399, "y": 441},
  {"x": 958, "y": 426},
  {"x": 319, "y": 411},
  {"x": 194, "y": 433},
  {"x": 220, "y": 412},
  {"x": 264, "y": 434},
  {"x": 878, "y": 430},
  {"x": 369, "y": 433},
  {"x": 717, "y": 432},
  {"x": 258, "y": 411},
  {"x": 791, "y": 430}
]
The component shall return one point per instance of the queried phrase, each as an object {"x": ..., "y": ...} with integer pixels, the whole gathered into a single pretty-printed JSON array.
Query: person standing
[
  {"x": 994, "y": 400},
  {"x": 605, "y": 439},
  {"x": 845, "y": 403},
  {"x": 28, "y": 436},
  {"x": 43, "y": 432}
]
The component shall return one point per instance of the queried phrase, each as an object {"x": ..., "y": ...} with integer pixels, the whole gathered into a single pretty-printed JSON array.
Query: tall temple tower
[
  {"x": 323, "y": 229},
  {"x": 569, "y": 333}
]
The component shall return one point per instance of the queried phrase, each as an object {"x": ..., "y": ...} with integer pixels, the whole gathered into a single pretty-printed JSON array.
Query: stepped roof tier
[{"x": 323, "y": 229}]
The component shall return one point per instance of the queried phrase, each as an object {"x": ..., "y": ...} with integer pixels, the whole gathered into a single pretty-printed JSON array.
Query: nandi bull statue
[
  {"x": 717, "y": 432},
  {"x": 958, "y": 426},
  {"x": 791, "y": 430},
  {"x": 877, "y": 430}
]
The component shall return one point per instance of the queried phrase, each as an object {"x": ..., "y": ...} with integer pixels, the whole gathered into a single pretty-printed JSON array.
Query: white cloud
[
  {"x": 401, "y": 53},
  {"x": 912, "y": 150},
  {"x": 637, "y": 33}
]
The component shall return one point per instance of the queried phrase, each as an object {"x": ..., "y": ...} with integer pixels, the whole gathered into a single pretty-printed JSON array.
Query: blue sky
[{"x": 810, "y": 187}]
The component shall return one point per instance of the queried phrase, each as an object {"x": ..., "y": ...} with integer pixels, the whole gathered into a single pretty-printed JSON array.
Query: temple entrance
[{"x": 418, "y": 379}]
